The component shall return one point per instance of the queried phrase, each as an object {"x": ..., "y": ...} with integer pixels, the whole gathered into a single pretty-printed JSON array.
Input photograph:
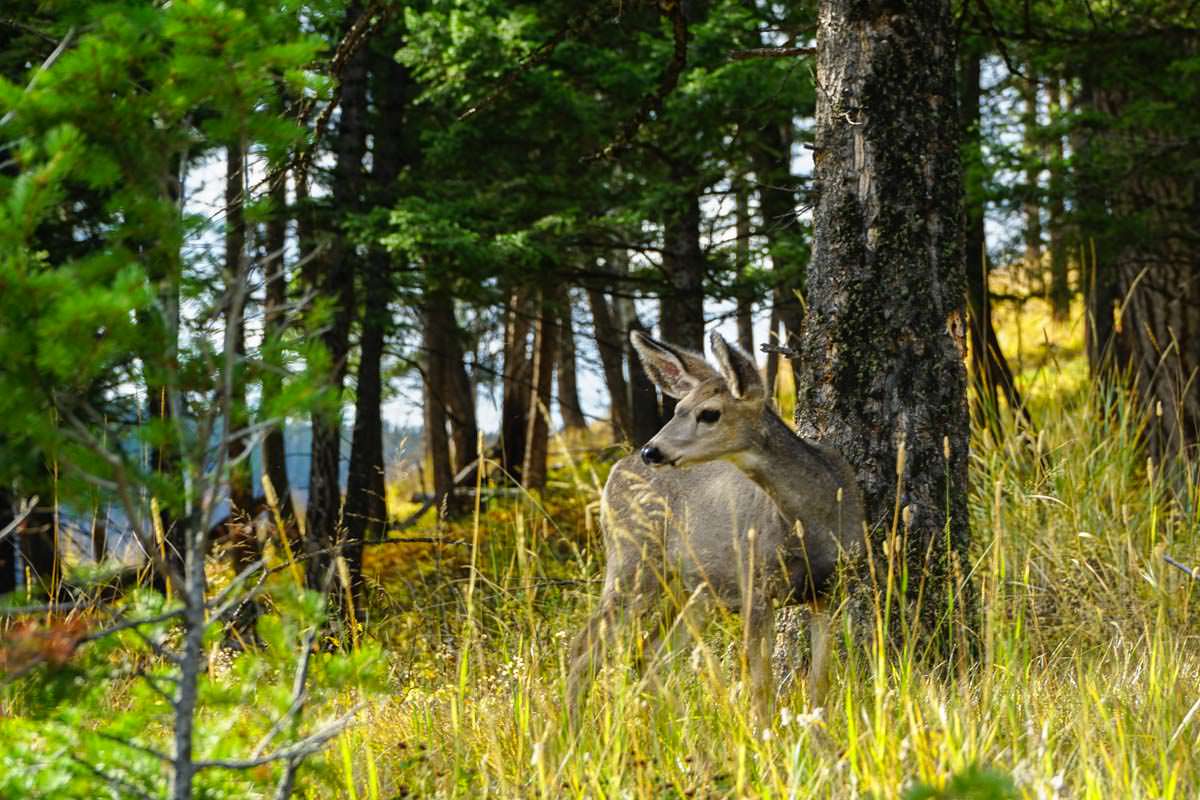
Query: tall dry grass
[{"x": 1087, "y": 682}]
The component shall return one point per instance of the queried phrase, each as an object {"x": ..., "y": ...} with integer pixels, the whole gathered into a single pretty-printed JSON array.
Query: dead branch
[
  {"x": 771, "y": 52},
  {"x": 1192, "y": 572}
]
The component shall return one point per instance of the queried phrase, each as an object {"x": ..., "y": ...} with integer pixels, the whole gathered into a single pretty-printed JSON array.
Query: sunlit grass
[{"x": 1089, "y": 659}]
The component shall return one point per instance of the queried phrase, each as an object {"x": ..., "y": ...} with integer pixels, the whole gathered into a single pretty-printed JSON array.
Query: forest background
[{"x": 239, "y": 238}]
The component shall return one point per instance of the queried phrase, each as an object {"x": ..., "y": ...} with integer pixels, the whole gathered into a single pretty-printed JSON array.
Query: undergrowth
[{"x": 1086, "y": 684}]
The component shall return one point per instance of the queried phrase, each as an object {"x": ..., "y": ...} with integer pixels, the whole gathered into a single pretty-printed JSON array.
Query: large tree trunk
[
  {"x": 514, "y": 412},
  {"x": 883, "y": 343},
  {"x": 568, "y": 389},
  {"x": 336, "y": 282},
  {"x": 610, "y": 344},
  {"x": 545, "y": 344}
]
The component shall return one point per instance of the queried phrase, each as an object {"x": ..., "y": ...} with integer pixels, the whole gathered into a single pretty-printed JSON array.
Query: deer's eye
[{"x": 708, "y": 416}]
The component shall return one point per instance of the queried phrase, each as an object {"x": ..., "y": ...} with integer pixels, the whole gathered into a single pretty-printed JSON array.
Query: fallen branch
[
  {"x": 779, "y": 349},
  {"x": 22, "y": 513},
  {"x": 771, "y": 52},
  {"x": 1193, "y": 572}
]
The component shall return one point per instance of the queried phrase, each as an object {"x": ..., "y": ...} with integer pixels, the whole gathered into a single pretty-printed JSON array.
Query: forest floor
[{"x": 1087, "y": 682}]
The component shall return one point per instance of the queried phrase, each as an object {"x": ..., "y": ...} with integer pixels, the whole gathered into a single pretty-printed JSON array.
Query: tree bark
[
  {"x": 1031, "y": 152},
  {"x": 883, "y": 343},
  {"x": 441, "y": 351},
  {"x": 460, "y": 398},
  {"x": 545, "y": 344},
  {"x": 437, "y": 439},
  {"x": 1060, "y": 283},
  {"x": 514, "y": 413},
  {"x": 336, "y": 282},
  {"x": 568, "y": 389},
  {"x": 682, "y": 307}
]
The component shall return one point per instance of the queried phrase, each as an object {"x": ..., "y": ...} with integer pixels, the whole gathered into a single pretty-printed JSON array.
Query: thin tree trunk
[
  {"x": 1097, "y": 265},
  {"x": 514, "y": 412},
  {"x": 274, "y": 443},
  {"x": 1031, "y": 151},
  {"x": 568, "y": 390},
  {"x": 774, "y": 338},
  {"x": 610, "y": 344},
  {"x": 366, "y": 510},
  {"x": 243, "y": 544},
  {"x": 682, "y": 307},
  {"x": 989, "y": 369},
  {"x": 883, "y": 344},
  {"x": 545, "y": 344},
  {"x": 8, "y": 546},
  {"x": 781, "y": 228},
  {"x": 443, "y": 360},
  {"x": 336, "y": 282},
  {"x": 460, "y": 397},
  {"x": 646, "y": 412},
  {"x": 165, "y": 403},
  {"x": 366, "y": 502},
  {"x": 745, "y": 297},
  {"x": 1060, "y": 284},
  {"x": 437, "y": 440}
]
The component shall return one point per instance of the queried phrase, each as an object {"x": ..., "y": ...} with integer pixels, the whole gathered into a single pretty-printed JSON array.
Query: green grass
[{"x": 1089, "y": 659}]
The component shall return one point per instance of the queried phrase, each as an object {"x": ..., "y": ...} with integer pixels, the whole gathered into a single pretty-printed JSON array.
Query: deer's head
[{"x": 719, "y": 415}]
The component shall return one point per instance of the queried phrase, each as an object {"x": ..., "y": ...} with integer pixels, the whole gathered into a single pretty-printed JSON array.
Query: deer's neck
[{"x": 795, "y": 474}]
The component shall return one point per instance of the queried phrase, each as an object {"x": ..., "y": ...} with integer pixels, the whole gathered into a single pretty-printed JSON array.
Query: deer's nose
[{"x": 652, "y": 455}]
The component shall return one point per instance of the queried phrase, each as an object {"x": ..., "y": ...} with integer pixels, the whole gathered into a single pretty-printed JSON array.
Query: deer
[{"x": 728, "y": 504}]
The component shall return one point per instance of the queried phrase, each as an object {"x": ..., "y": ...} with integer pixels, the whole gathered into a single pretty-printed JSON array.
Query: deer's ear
[
  {"x": 737, "y": 368},
  {"x": 674, "y": 371}
]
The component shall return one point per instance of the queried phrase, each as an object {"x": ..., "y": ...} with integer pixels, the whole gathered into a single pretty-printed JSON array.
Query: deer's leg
[
  {"x": 602, "y": 633},
  {"x": 818, "y": 669},
  {"x": 759, "y": 644},
  {"x": 587, "y": 654},
  {"x": 678, "y": 628}
]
